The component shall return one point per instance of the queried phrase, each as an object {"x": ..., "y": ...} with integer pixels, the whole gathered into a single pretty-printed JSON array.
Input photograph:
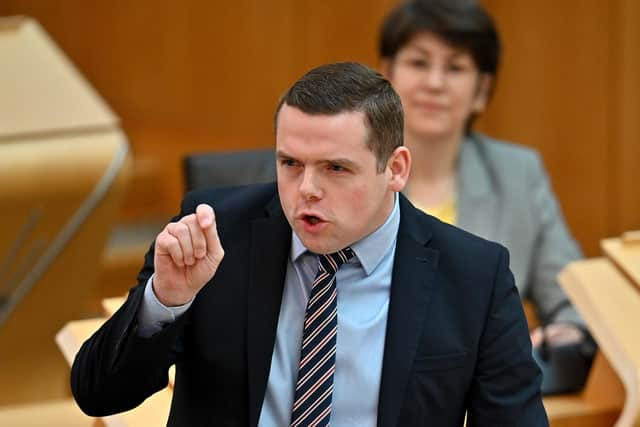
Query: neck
[
  {"x": 433, "y": 172},
  {"x": 434, "y": 158}
]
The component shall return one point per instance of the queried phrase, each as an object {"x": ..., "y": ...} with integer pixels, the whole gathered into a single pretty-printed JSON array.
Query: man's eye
[
  {"x": 289, "y": 162},
  {"x": 337, "y": 168}
]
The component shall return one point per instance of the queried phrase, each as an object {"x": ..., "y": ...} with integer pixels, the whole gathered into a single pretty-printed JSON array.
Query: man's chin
[{"x": 319, "y": 245}]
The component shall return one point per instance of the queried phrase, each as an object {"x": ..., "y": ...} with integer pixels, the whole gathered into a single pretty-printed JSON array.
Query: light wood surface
[
  {"x": 63, "y": 172},
  {"x": 597, "y": 405},
  {"x": 610, "y": 305},
  {"x": 74, "y": 333},
  {"x": 58, "y": 413},
  {"x": 59, "y": 200},
  {"x": 625, "y": 253},
  {"x": 111, "y": 305},
  {"x": 152, "y": 412},
  {"x": 38, "y": 78}
]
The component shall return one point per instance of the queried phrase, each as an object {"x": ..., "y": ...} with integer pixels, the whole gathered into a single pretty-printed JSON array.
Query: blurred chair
[
  {"x": 221, "y": 169},
  {"x": 63, "y": 168}
]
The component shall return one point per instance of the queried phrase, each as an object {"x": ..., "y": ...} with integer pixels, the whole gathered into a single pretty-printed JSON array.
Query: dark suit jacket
[{"x": 456, "y": 337}]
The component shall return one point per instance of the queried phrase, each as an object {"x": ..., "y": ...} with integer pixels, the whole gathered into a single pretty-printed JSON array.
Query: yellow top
[{"x": 445, "y": 212}]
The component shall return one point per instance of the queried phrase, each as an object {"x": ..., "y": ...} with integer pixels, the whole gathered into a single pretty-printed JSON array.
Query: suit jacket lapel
[
  {"x": 412, "y": 284},
  {"x": 270, "y": 245}
]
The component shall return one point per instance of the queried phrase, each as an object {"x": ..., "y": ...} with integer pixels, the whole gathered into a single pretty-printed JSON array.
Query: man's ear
[
  {"x": 482, "y": 94},
  {"x": 399, "y": 166}
]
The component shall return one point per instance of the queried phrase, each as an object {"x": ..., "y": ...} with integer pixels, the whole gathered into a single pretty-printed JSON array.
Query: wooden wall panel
[
  {"x": 199, "y": 75},
  {"x": 338, "y": 30},
  {"x": 204, "y": 75},
  {"x": 625, "y": 130},
  {"x": 552, "y": 95},
  {"x": 201, "y": 65}
]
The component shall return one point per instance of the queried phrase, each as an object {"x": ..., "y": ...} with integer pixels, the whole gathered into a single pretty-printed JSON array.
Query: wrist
[{"x": 170, "y": 297}]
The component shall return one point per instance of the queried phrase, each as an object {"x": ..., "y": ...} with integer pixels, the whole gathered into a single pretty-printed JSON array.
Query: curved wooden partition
[
  {"x": 608, "y": 297},
  {"x": 63, "y": 169},
  {"x": 58, "y": 198}
]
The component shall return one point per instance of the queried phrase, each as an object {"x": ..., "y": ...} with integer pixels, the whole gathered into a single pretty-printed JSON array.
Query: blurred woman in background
[{"x": 442, "y": 57}]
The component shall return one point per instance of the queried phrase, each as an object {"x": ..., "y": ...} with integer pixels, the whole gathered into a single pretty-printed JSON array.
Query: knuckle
[
  {"x": 173, "y": 246},
  {"x": 180, "y": 229},
  {"x": 164, "y": 239},
  {"x": 188, "y": 219},
  {"x": 199, "y": 244}
]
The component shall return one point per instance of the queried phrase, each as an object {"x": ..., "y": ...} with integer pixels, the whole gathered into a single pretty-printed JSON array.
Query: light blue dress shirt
[
  {"x": 363, "y": 303},
  {"x": 364, "y": 285}
]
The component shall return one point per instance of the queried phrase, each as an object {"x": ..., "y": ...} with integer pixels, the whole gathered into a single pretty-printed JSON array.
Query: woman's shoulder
[
  {"x": 505, "y": 152},
  {"x": 505, "y": 149}
]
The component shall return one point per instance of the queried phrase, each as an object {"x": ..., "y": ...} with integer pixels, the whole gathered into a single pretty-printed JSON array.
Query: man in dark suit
[{"x": 334, "y": 300}]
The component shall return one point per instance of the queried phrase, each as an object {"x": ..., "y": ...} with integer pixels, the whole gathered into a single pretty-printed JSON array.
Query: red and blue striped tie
[{"x": 312, "y": 402}]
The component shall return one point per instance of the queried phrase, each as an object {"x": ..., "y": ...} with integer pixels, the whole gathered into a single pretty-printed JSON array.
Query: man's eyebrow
[
  {"x": 341, "y": 161},
  {"x": 282, "y": 155}
]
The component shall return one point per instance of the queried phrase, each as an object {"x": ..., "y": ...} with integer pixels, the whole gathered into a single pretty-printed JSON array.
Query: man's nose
[{"x": 310, "y": 186}]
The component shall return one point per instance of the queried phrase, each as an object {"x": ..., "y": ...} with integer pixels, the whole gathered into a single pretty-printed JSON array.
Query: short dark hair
[
  {"x": 464, "y": 24},
  {"x": 350, "y": 86}
]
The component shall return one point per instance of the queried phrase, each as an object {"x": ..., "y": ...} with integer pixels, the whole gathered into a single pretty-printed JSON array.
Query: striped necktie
[{"x": 314, "y": 388}]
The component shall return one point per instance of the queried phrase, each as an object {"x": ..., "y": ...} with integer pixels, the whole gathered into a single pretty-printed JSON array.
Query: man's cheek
[{"x": 357, "y": 202}]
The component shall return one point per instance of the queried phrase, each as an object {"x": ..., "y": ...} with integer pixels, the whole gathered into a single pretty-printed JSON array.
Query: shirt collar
[{"x": 371, "y": 249}]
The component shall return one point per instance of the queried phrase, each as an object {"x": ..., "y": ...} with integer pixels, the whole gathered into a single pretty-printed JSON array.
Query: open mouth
[{"x": 311, "y": 219}]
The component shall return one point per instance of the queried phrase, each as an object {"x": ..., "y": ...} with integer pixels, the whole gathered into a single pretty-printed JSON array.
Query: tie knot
[{"x": 331, "y": 262}]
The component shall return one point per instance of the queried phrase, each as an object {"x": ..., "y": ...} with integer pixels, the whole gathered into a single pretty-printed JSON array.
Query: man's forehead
[
  {"x": 289, "y": 113},
  {"x": 348, "y": 125},
  {"x": 327, "y": 136}
]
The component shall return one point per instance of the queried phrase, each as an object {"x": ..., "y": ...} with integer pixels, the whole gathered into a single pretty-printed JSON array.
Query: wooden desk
[
  {"x": 153, "y": 412},
  {"x": 610, "y": 305},
  {"x": 57, "y": 413},
  {"x": 597, "y": 405},
  {"x": 64, "y": 165},
  {"x": 625, "y": 253},
  {"x": 110, "y": 306},
  {"x": 74, "y": 333}
]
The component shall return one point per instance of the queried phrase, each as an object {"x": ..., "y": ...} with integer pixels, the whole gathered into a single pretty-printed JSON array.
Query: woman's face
[{"x": 440, "y": 86}]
